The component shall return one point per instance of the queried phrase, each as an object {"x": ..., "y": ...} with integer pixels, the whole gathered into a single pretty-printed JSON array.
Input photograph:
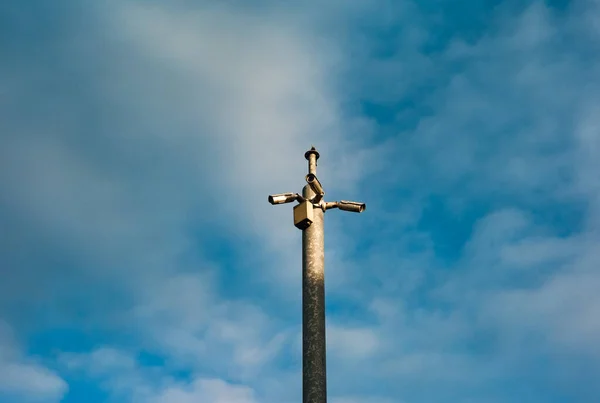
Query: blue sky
[{"x": 141, "y": 262}]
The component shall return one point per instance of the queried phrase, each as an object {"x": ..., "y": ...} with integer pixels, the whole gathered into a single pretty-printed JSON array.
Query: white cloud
[
  {"x": 22, "y": 377},
  {"x": 352, "y": 343},
  {"x": 210, "y": 109},
  {"x": 102, "y": 361},
  {"x": 512, "y": 134},
  {"x": 186, "y": 321},
  {"x": 217, "y": 106},
  {"x": 363, "y": 400},
  {"x": 122, "y": 376},
  {"x": 562, "y": 312},
  {"x": 206, "y": 390}
]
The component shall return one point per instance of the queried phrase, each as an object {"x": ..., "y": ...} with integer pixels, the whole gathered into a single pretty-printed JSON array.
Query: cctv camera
[
  {"x": 351, "y": 206},
  {"x": 283, "y": 198},
  {"x": 316, "y": 187}
]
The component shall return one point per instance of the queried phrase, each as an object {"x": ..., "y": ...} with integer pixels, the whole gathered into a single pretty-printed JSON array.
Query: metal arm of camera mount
[{"x": 308, "y": 216}]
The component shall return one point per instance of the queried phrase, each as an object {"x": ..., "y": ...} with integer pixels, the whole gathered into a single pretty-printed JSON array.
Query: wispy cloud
[{"x": 24, "y": 378}]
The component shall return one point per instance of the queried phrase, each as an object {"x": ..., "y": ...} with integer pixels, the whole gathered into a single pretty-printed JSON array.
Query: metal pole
[
  {"x": 314, "y": 373},
  {"x": 308, "y": 216}
]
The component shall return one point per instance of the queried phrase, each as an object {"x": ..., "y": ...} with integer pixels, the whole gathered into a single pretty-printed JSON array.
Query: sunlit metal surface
[
  {"x": 314, "y": 383},
  {"x": 308, "y": 216},
  {"x": 282, "y": 198}
]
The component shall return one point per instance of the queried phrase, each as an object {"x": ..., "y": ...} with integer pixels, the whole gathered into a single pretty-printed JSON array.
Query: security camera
[
  {"x": 316, "y": 187},
  {"x": 283, "y": 198},
  {"x": 355, "y": 207}
]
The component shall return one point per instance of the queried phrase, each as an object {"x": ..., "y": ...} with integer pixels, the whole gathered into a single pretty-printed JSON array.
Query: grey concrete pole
[
  {"x": 314, "y": 373},
  {"x": 308, "y": 217}
]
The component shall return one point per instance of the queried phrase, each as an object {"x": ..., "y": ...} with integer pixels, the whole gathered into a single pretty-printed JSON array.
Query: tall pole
[
  {"x": 314, "y": 372},
  {"x": 308, "y": 217}
]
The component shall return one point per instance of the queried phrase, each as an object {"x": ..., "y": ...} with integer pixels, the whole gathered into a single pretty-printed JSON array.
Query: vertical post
[
  {"x": 314, "y": 375},
  {"x": 308, "y": 217}
]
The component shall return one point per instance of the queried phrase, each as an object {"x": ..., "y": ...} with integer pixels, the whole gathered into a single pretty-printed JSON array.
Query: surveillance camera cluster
[{"x": 317, "y": 188}]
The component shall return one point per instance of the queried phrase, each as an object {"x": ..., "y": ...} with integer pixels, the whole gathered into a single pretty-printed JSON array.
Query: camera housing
[
  {"x": 354, "y": 207},
  {"x": 316, "y": 187},
  {"x": 282, "y": 198},
  {"x": 303, "y": 215}
]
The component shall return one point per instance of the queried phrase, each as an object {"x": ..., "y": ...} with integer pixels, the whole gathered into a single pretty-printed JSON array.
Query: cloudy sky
[{"x": 140, "y": 260}]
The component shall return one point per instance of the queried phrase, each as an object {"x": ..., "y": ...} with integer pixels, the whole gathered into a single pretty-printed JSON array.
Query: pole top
[{"x": 312, "y": 150}]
